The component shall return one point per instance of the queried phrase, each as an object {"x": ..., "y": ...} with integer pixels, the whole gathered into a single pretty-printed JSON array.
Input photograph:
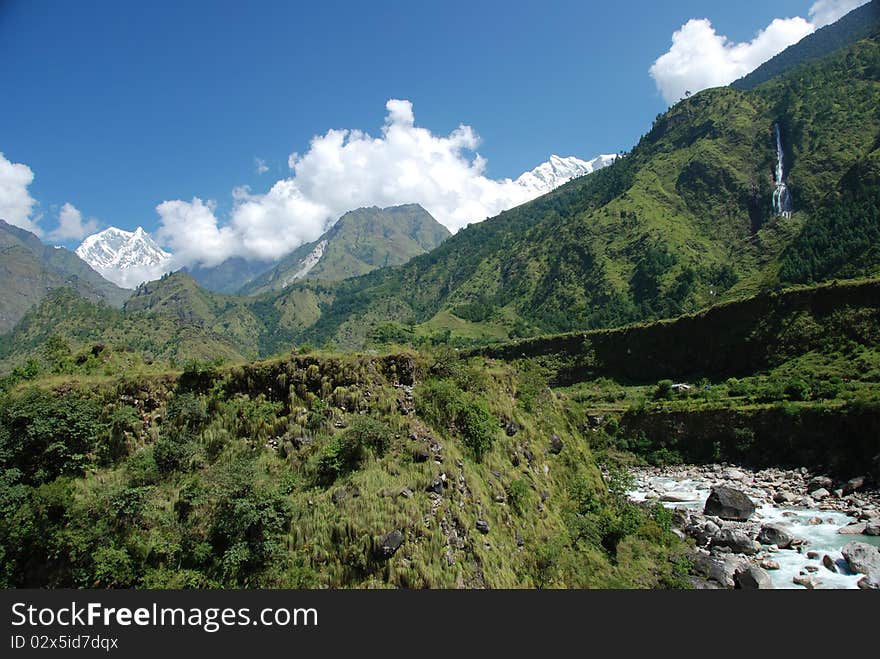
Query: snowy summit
[
  {"x": 126, "y": 258},
  {"x": 558, "y": 170}
]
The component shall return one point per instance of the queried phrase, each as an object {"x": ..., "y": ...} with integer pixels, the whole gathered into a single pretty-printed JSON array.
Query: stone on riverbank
[
  {"x": 720, "y": 569},
  {"x": 752, "y": 578}
]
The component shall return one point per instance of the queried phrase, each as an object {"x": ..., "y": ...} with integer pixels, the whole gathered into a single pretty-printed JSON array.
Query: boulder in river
[
  {"x": 784, "y": 496},
  {"x": 862, "y": 557},
  {"x": 808, "y": 581},
  {"x": 867, "y": 583},
  {"x": 732, "y": 474},
  {"x": 820, "y": 482},
  {"x": 775, "y": 534},
  {"x": 730, "y": 504},
  {"x": 855, "y": 528},
  {"x": 829, "y": 563},
  {"x": 676, "y": 497}
]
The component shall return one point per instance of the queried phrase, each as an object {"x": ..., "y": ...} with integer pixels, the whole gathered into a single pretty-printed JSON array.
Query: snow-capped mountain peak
[
  {"x": 558, "y": 170},
  {"x": 126, "y": 258}
]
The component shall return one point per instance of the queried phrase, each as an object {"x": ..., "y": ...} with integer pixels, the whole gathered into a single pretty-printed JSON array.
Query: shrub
[
  {"x": 662, "y": 516},
  {"x": 797, "y": 389},
  {"x": 371, "y": 433},
  {"x": 171, "y": 450},
  {"x": 737, "y": 388},
  {"x": 46, "y": 436},
  {"x": 447, "y": 407},
  {"x": 348, "y": 450},
  {"x": 663, "y": 390},
  {"x": 186, "y": 410},
  {"x": 141, "y": 469}
]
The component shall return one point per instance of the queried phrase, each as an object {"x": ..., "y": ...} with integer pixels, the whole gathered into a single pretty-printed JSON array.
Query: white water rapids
[{"x": 820, "y": 538}]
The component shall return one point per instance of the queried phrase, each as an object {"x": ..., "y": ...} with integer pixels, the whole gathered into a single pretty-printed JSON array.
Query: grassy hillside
[
  {"x": 296, "y": 473},
  {"x": 730, "y": 339},
  {"x": 29, "y": 269}
]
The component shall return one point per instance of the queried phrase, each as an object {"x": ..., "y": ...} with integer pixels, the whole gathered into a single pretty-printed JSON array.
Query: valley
[{"x": 574, "y": 393}]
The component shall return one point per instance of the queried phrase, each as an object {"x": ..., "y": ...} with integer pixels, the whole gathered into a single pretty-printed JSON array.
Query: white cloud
[
  {"x": 824, "y": 12},
  {"x": 190, "y": 229},
  {"x": 342, "y": 170},
  {"x": 16, "y": 203},
  {"x": 700, "y": 57},
  {"x": 71, "y": 225},
  {"x": 260, "y": 165}
]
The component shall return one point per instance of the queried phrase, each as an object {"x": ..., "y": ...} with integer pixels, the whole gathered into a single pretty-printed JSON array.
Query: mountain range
[
  {"x": 560, "y": 170},
  {"x": 129, "y": 258},
  {"x": 684, "y": 220},
  {"x": 515, "y": 373}
]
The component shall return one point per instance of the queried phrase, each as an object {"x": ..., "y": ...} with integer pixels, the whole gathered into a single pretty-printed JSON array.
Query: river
[{"x": 817, "y": 523}]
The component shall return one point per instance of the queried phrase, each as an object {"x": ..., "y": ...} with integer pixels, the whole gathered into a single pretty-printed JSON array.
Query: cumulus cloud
[
  {"x": 190, "y": 229},
  {"x": 260, "y": 165},
  {"x": 824, "y": 12},
  {"x": 342, "y": 170},
  {"x": 700, "y": 57},
  {"x": 71, "y": 225},
  {"x": 16, "y": 203}
]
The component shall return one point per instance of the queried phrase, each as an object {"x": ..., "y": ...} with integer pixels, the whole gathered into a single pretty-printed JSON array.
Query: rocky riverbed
[{"x": 773, "y": 528}]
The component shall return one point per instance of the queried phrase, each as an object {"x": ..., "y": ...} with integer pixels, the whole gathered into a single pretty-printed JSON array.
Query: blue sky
[{"x": 117, "y": 107}]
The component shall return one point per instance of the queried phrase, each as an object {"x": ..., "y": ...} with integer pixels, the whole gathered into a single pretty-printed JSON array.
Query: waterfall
[{"x": 781, "y": 196}]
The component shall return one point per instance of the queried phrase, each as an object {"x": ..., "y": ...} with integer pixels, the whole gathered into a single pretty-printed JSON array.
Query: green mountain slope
[
  {"x": 860, "y": 23},
  {"x": 685, "y": 219},
  {"x": 295, "y": 473},
  {"x": 257, "y": 326},
  {"x": 29, "y": 269},
  {"x": 360, "y": 241},
  {"x": 64, "y": 327}
]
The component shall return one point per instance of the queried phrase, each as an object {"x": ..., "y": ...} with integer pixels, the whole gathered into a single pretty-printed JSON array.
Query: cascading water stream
[{"x": 781, "y": 196}]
